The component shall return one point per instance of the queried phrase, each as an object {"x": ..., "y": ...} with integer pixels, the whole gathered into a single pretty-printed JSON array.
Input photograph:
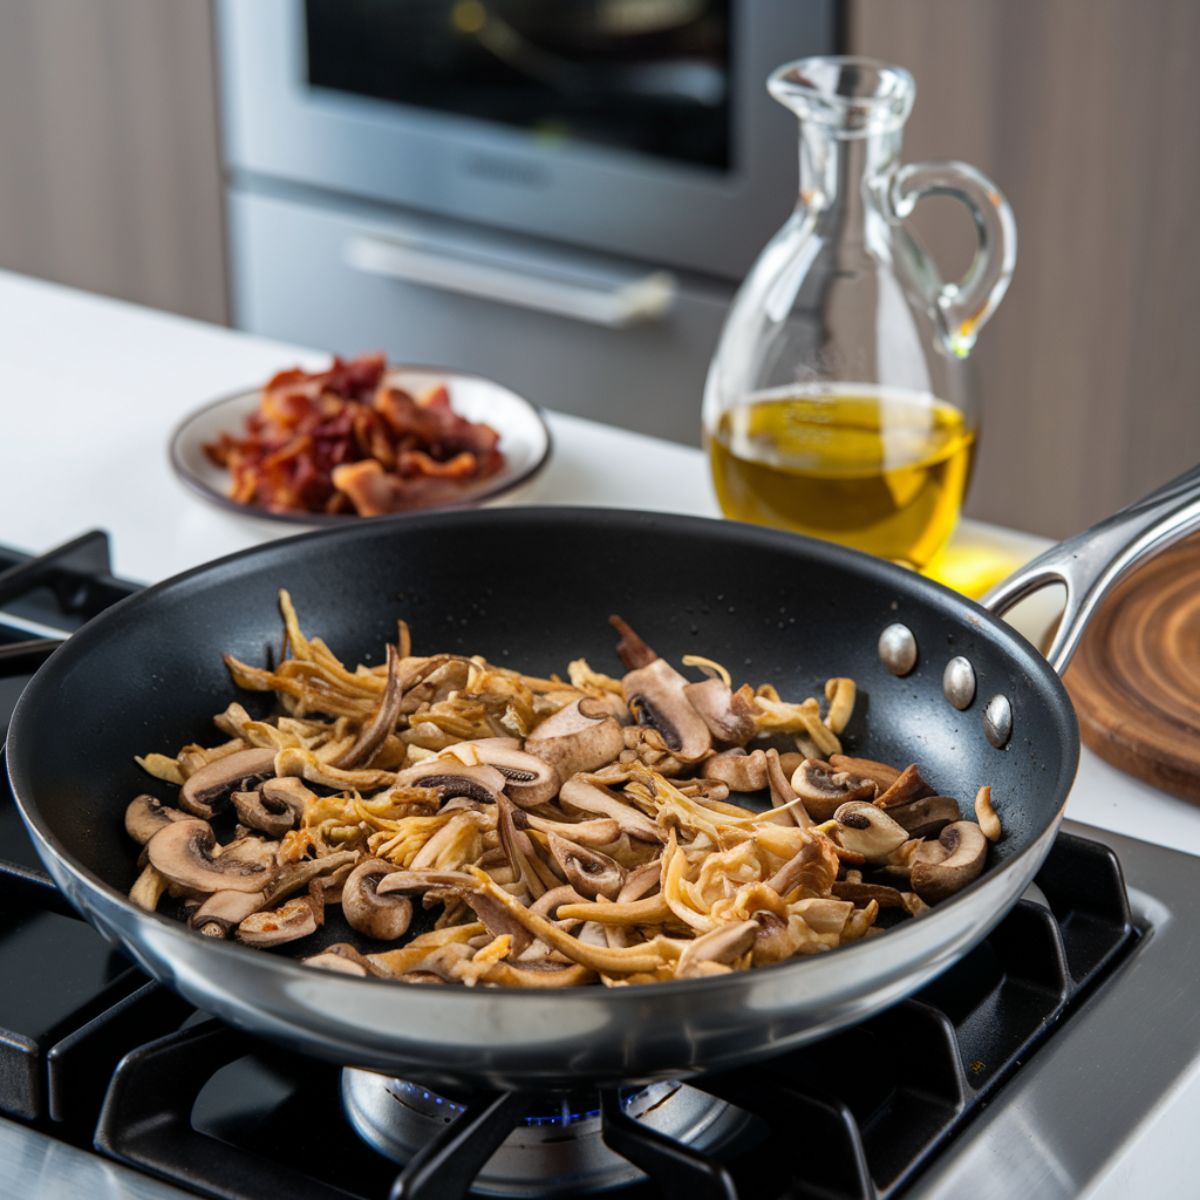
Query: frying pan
[{"x": 534, "y": 587}]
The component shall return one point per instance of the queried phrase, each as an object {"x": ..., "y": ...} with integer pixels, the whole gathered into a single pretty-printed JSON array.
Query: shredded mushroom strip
[{"x": 545, "y": 833}]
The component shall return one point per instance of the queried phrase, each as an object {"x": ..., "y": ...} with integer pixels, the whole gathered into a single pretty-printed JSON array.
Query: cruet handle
[{"x": 964, "y": 306}]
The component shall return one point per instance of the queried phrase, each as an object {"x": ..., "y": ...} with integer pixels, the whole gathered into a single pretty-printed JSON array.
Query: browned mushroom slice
[
  {"x": 252, "y": 849},
  {"x": 641, "y": 881},
  {"x": 518, "y": 849},
  {"x": 707, "y": 791},
  {"x": 581, "y": 737},
  {"x": 864, "y": 829},
  {"x": 908, "y": 785},
  {"x": 433, "y": 680},
  {"x": 880, "y": 774},
  {"x": 656, "y": 697},
  {"x": 497, "y": 920},
  {"x": 529, "y": 781},
  {"x": 271, "y": 813},
  {"x": 290, "y": 922},
  {"x": 723, "y": 945},
  {"x": 742, "y": 771},
  {"x": 591, "y": 873},
  {"x": 927, "y": 816},
  {"x": 451, "y": 778},
  {"x": 812, "y": 869},
  {"x": 789, "y": 760},
  {"x": 375, "y": 733},
  {"x": 414, "y": 883},
  {"x": 631, "y": 650},
  {"x": 824, "y": 789},
  {"x": 579, "y": 796},
  {"x": 861, "y": 894},
  {"x": 148, "y": 888},
  {"x": 186, "y": 852},
  {"x": 782, "y": 793},
  {"x": 146, "y": 815},
  {"x": 946, "y": 866},
  {"x": 775, "y": 941},
  {"x": 383, "y": 917},
  {"x": 597, "y": 832},
  {"x": 729, "y": 715},
  {"x": 222, "y": 912},
  {"x": 239, "y": 771},
  {"x": 342, "y": 958}
]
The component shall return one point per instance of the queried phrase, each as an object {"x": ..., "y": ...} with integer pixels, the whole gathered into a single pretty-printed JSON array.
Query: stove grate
[{"x": 870, "y": 1106}]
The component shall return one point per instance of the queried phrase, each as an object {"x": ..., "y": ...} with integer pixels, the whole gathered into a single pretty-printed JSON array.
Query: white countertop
[{"x": 93, "y": 388}]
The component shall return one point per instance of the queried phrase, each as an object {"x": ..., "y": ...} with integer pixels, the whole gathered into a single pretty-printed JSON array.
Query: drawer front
[{"x": 350, "y": 281}]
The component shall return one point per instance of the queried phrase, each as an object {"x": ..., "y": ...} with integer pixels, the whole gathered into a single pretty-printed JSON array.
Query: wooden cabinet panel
[
  {"x": 108, "y": 136},
  {"x": 1085, "y": 113}
]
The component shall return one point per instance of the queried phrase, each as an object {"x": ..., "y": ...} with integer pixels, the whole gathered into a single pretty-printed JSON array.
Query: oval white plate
[{"x": 524, "y": 440}]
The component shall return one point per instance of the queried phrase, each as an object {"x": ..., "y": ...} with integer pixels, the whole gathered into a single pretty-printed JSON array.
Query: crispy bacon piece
[{"x": 344, "y": 440}]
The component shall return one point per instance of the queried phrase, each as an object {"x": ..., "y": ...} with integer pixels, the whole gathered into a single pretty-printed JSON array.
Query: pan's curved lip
[{"x": 885, "y": 572}]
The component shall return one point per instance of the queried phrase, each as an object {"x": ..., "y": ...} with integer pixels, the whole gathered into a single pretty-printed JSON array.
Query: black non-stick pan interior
[{"x": 533, "y": 588}]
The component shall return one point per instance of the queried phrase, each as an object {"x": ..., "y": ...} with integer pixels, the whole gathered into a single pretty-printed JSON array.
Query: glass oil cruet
[{"x": 839, "y": 401}]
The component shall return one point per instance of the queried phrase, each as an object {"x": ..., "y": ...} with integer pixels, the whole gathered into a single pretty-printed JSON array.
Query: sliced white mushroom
[
  {"x": 529, "y": 780},
  {"x": 742, "y": 771},
  {"x": 205, "y": 788},
  {"x": 656, "y": 695},
  {"x": 591, "y": 873},
  {"x": 146, "y": 815},
  {"x": 723, "y": 945},
  {"x": 272, "y": 812},
  {"x": 186, "y": 852},
  {"x": 926, "y": 817},
  {"x": 580, "y": 737},
  {"x": 290, "y": 922},
  {"x": 824, "y": 789},
  {"x": 577, "y": 795},
  {"x": 728, "y": 714},
  {"x": 383, "y": 917},
  {"x": 864, "y": 829},
  {"x": 451, "y": 778},
  {"x": 946, "y": 866}
]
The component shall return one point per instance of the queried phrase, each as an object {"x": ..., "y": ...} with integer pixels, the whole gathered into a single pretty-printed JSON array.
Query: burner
[{"x": 556, "y": 1149}]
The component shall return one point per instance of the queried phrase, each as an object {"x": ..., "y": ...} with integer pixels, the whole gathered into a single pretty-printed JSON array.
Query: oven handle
[{"x": 649, "y": 298}]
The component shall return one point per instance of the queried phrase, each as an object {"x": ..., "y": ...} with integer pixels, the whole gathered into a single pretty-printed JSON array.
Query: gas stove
[{"x": 1028, "y": 1068}]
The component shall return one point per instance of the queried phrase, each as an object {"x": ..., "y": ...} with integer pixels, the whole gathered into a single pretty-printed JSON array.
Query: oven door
[{"x": 637, "y": 127}]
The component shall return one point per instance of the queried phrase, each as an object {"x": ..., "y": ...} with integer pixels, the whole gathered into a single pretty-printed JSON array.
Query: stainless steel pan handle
[{"x": 1089, "y": 564}]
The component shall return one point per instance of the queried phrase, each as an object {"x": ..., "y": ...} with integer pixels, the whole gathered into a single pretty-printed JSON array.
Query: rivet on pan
[
  {"x": 898, "y": 649},
  {"x": 958, "y": 682},
  {"x": 997, "y": 721}
]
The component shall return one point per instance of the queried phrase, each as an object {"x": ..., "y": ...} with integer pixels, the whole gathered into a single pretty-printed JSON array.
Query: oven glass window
[{"x": 647, "y": 76}]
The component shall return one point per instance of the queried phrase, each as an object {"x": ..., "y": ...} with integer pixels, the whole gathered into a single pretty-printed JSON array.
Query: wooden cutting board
[{"x": 1135, "y": 679}]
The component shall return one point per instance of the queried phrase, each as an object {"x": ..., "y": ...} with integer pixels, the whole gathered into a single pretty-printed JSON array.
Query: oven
[{"x": 563, "y": 196}]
